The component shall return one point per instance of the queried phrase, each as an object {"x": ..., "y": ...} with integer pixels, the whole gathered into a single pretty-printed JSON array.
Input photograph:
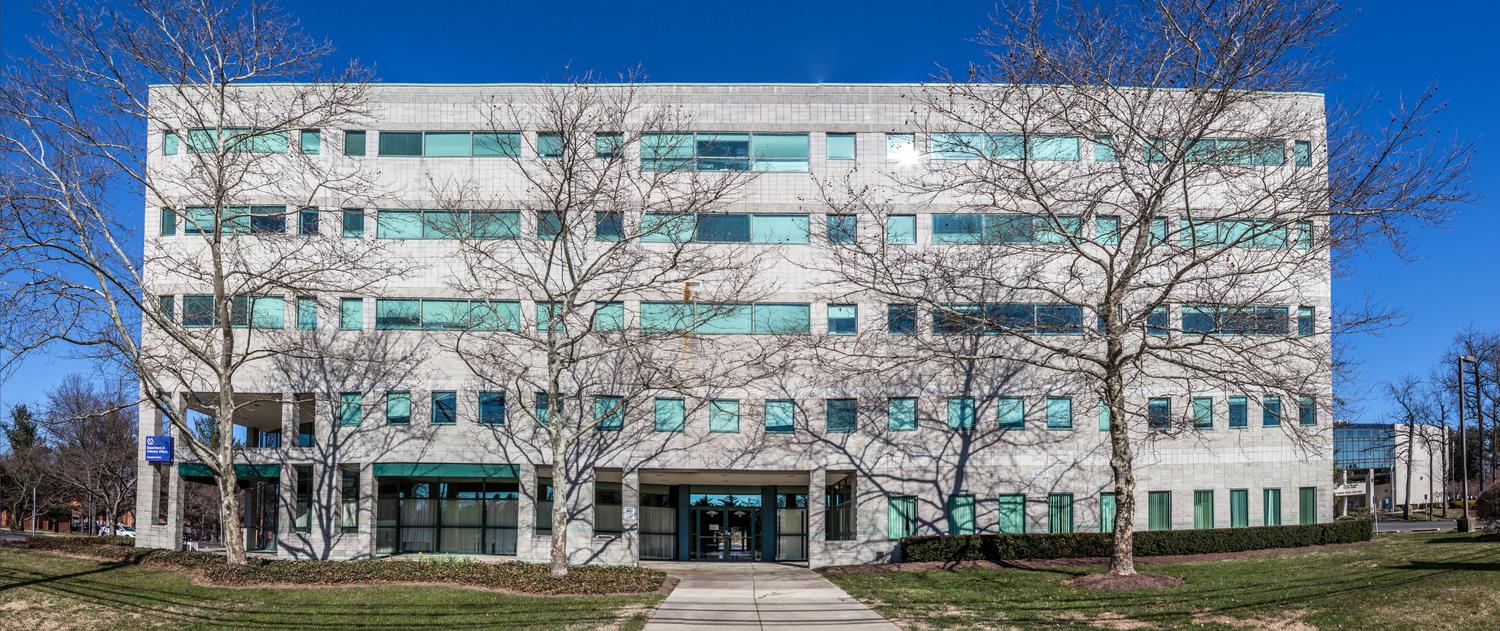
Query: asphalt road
[{"x": 1396, "y": 525}]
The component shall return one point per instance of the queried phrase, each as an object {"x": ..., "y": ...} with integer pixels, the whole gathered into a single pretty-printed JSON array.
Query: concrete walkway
[{"x": 745, "y": 596}]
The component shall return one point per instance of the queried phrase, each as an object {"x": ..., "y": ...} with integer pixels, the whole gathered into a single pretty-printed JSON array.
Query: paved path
[
  {"x": 745, "y": 596},
  {"x": 1397, "y": 525}
]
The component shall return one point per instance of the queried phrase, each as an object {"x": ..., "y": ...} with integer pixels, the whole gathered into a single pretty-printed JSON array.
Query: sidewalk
[{"x": 744, "y": 596}]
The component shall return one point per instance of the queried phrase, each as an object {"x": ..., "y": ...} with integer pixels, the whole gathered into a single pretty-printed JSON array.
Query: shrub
[
  {"x": 1002, "y": 547},
  {"x": 528, "y": 578},
  {"x": 1487, "y": 508}
]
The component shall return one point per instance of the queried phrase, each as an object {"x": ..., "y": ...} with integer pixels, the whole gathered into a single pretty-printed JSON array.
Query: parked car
[{"x": 121, "y": 530}]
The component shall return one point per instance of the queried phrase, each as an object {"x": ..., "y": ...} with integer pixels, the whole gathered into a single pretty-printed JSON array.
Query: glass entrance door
[{"x": 725, "y": 534}]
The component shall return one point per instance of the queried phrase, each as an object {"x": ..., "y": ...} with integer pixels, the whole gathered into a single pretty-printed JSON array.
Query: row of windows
[
  {"x": 444, "y": 314},
  {"x": 768, "y": 228},
  {"x": 737, "y": 151},
  {"x": 1010, "y": 510},
  {"x": 841, "y": 415}
]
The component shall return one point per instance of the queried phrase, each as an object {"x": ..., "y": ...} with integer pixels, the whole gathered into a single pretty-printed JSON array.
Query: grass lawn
[
  {"x": 1398, "y": 582},
  {"x": 45, "y": 591}
]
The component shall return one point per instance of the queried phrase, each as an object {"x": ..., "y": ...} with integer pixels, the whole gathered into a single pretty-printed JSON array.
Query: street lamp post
[{"x": 1463, "y": 520}]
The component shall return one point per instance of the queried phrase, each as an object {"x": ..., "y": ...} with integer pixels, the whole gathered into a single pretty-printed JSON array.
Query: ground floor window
[
  {"x": 349, "y": 499},
  {"x": 1203, "y": 509},
  {"x": 901, "y": 517},
  {"x": 608, "y": 498},
  {"x": 961, "y": 515},
  {"x": 1107, "y": 512},
  {"x": 461, "y": 516},
  {"x": 1159, "y": 510},
  {"x": 1013, "y": 514},
  {"x": 1273, "y": 507},
  {"x": 1060, "y": 512},
  {"x": 1307, "y": 505},
  {"x": 1239, "y": 508},
  {"x": 302, "y": 515},
  {"x": 658, "y": 522},
  {"x": 839, "y": 518}
]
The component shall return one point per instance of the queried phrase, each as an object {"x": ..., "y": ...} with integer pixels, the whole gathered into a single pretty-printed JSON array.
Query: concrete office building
[
  {"x": 803, "y": 471},
  {"x": 1373, "y": 460}
]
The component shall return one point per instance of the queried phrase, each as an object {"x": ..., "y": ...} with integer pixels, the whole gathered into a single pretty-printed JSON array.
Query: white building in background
[
  {"x": 807, "y": 470},
  {"x": 1373, "y": 462}
]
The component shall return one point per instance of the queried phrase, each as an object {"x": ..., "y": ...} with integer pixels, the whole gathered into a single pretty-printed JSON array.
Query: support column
[
  {"x": 630, "y": 514},
  {"x": 369, "y": 513},
  {"x": 526, "y": 549},
  {"x": 1343, "y": 499},
  {"x": 680, "y": 498},
  {"x": 817, "y": 483},
  {"x": 581, "y": 515},
  {"x": 288, "y": 422},
  {"x": 289, "y": 542},
  {"x": 768, "y": 512},
  {"x": 148, "y": 482},
  {"x": 1370, "y": 490}
]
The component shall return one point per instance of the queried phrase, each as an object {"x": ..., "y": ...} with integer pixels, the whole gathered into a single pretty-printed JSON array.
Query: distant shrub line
[
  {"x": 1006, "y": 547},
  {"x": 515, "y": 576}
]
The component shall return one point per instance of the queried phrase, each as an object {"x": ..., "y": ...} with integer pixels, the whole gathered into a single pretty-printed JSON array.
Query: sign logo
[{"x": 158, "y": 449}]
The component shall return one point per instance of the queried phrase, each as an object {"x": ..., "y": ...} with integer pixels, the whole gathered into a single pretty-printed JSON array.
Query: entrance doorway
[{"x": 726, "y": 533}]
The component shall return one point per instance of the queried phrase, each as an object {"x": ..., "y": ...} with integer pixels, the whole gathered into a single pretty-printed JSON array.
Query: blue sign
[{"x": 158, "y": 449}]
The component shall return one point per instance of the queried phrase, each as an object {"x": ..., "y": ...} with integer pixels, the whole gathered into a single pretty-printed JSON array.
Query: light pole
[{"x": 1463, "y": 520}]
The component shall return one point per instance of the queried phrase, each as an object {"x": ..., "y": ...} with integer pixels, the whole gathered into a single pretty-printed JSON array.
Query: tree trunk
[
  {"x": 1411, "y": 441},
  {"x": 1122, "y": 556},
  {"x": 559, "y": 507}
]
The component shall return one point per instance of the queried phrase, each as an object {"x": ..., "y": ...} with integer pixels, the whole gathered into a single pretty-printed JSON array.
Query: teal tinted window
[
  {"x": 842, "y": 415},
  {"x": 608, "y": 145},
  {"x": 1271, "y": 515},
  {"x": 168, "y": 222},
  {"x": 492, "y": 408},
  {"x": 843, "y": 319},
  {"x": 780, "y": 416},
  {"x": 354, "y": 143},
  {"x": 310, "y": 141},
  {"x": 966, "y": 228},
  {"x": 842, "y": 228},
  {"x": 1103, "y": 416},
  {"x": 671, "y": 415},
  {"x": 1107, "y": 230},
  {"x": 1059, "y": 413},
  {"x": 349, "y": 408},
  {"x": 779, "y": 229},
  {"x": 901, "y": 517},
  {"x": 1307, "y": 505},
  {"x": 169, "y": 143},
  {"x": 1239, "y": 508},
  {"x": 783, "y": 319},
  {"x": 961, "y": 515},
  {"x": 393, "y": 314},
  {"x": 237, "y": 140},
  {"x": 1011, "y": 412},
  {"x": 550, "y": 316},
  {"x": 1159, "y": 413},
  {"x": 1203, "y": 509},
  {"x": 902, "y": 147},
  {"x": 549, "y": 145},
  {"x": 779, "y": 152},
  {"x": 1304, "y": 235},
  {"x": 961, "y": 412},
  {"x": 1159, "y": 321},
  {"x": 609, "y": 226},
  {"x": 1104, "y": 149},
  {"x": 609, "y": 413},
  {"x": 1012, "y": 511},
  {"x": 544, "y": 408},
  {"x": 1306, "y": 323},
  {"x": 1307, "y": 412},
  {"x": 1302, "y": 153},
  {"x": 724, "y": 415},
  {"x": 398, "y": 408},
  {"x": 1239, "y": 412},
  {"x": 549, "y": 225},
  {"x": 502, "y": 145},
  {"x": 958, "y": 146},
  {"x": 609, "y": 316},
  {"x": 840, "y": 146},
  {"x": 724, "y": 151},
  {"x": 353, "y": 226},
  {"x": 901, "y": 319},
  {"x": 167, "y": 306},
  {"x": 1107, "y": 512},
  {"x": 1203, "y": 412},
  {"x": 400, "y": 143},
  {"x": 447, "y": 144},
  {"x": 351, "y": 313},
  {"x": 1060, "y": 512},
  {"x": 1270, "y": 410},
  {"x": 198, "y": 310},
  {"x": 444, "y": 407},
  {"x": 901, "y": 229},
  {"x": 901, "y": 414},
  {"x": 1159, "y": 510},
  {"x": 668, "y": 228},
  {"x": 398, "y": 224}
]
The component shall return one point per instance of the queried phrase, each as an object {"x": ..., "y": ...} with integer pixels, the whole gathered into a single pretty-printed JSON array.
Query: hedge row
[
  {"x": 515, "y": 576},
  {"x": 1002, "y": 547}
]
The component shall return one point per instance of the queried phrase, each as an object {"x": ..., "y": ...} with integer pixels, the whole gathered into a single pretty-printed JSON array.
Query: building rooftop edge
[{"x": 687, "y": 84}]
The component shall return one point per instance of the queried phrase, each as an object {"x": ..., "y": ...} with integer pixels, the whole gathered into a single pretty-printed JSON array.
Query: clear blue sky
[{"x": 1389, "y": 48}]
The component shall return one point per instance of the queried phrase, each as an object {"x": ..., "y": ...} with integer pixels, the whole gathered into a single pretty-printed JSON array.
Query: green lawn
[
  {"x": 1398, "y": 582},
  {"x": 45, "y": 591}
]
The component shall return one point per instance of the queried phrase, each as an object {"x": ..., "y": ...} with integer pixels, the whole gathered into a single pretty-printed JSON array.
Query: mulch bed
[{"x": 1047, "y": 564}]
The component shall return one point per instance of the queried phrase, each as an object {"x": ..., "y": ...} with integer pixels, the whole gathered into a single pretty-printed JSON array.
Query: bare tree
[
  {"x": 1407, "y": 394},
  {"x": 1145, "y": 201},
  {"x": 547, "y": 312},
  {"x": 230, "y": 90},
  {"x": 94, "y": 433}
]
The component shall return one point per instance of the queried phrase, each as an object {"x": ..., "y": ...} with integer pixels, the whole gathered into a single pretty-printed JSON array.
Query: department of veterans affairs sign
[{"x": 158, "y": 449}]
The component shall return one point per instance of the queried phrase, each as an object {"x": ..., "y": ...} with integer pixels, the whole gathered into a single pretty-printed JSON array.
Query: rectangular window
[
  {"x": 777, "y": 229},
  {"x": 237, "y": 140},
  {"x": 398, "y": 408},
  {"x": 351, "y": 314},
  {"x": 549, "y": 225},
  {"x": 401, "y": 143},
  {"x": 1159, "y": 510},
  {"x": 1104, "y": 149},
  {"x": 1304, "y": 235},
  {"x": 609, "y": 145},
  {"x": 1307, "y": 505},
  {"x": 491, "y": 407},
  {"x": 1107, "y": 507},
  {"x": 1011, "y": 411},
  {"x": 354, "y": 143},
  {"x": 169, "y": 143},
  {"x": 1270, "y": 411},
  {"x": 1059, "y": 413},
  {"x": 348, "y": 499},
  {"x": 781, "y": 415},
  {"x": 901, "y": 319},
  {"x": 307, "y": 313},
  {"x": 840, "y": 146},
  {"x": 1307, "y": 412},
  {"x": 901, "y": 517},
  {"x": 901, "y": 414},
  {"x": 168, "y": 222},
  {"x": 1239, "y": 508},
  {"x": 350, "y": 413},
  {"x": 302, "y": 512},
  {"x": 1239, "y": 412},
  {"x": 1272, "y": 512},
  {"x": 958, "y": 146},
  {"x": 901, "y": 229},
  {"x": 1159, "y": 413},
  {"x": 609, "y": 413},
  {"x": 550, "y": 316},
  {"x": 307, "y": 222},
  {"x": 310, "y": 141},
  {"x": 968, "y": 228},
  {"x": 550, "y": 145},
  {"x": 843, "y": 319},
  {"x": 1203, "y": 509},
  {"x": 1305, "y": 323},
  {"x": 1103, "y": 416},
  {"x": 1012, "y": 514},
  {"x": 167, "y": 306},
  {"x": 1238, "y": 320},
  {"x": 961, "y": 412},
  {"x": 901, "y": 147},
  {"x": 843, "y": 415},
  {"x": 198, "y": 310},
  {"x": 1203, "y": 412},
  {"x": 671, "y": 415},
  {"x": 724, "y": 151},
  {"x": 1060, "y": 512},
  {"x": 609, "y": 316},
  {"x": 726, "y": 319},
  {"x": 1107, "y": 230},
  {"x": 724, "y": 416},
  {"x": 842, "y": 228},
  {"x": 609, "y": 226},
  {"x": 1302, "y": 153},
  {"x": 1159, "y": 321},
  {"x": 961, "y": 515},
  {"x": 543, "y": 408},
  {"x": 353, "y": 224},
  {"x": 444, "y": 407}
]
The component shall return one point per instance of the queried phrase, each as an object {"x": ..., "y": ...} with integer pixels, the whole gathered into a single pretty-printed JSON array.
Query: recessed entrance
[{"x": 725, "y": 526}]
